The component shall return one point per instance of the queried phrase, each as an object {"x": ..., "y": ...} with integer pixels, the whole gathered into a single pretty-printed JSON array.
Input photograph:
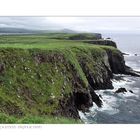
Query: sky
[{"x": 83, "y": 24}]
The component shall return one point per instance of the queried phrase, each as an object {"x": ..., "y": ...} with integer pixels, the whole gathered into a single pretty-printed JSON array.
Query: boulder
[
  {"x": 131, "y": 91},
  {"x": 119, "y": 90}
]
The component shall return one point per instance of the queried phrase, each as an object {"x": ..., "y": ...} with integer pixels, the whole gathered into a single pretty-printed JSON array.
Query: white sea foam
[
  {"x": 131, "y": 54},
  {"x": 83, "y": 116},
  {"x": 127, "y": 94},
  {"x": 126, "y": 82},
  {"x": 107, "y": 107},
  {"x": 137, "y": 68},
  {"x": 133, "y": 65},
  {"x": 110, "y": 99}
]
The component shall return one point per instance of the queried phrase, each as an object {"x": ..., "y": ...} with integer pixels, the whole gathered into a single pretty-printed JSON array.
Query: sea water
[{"x": 122, "y": 107}]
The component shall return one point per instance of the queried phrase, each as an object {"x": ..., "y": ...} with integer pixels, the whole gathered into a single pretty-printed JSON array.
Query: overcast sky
[{"x": 89, "y": 24}]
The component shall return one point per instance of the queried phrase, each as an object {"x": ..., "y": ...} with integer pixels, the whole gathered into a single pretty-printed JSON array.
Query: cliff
[
  {"x": 102, "y": 42},
  {"x": 56, "y": 78}
]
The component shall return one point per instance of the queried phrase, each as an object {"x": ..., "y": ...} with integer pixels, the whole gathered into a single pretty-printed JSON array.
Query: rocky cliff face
[
  {"x": 56, "y": 82},
  {"x": 102, "y": 42},
  {"x": 116, "y": 62},
  {"x": 99, "y": 76}
]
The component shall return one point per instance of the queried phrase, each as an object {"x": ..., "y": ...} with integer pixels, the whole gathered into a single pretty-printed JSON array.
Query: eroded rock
[{"x": 121, "y": 90}]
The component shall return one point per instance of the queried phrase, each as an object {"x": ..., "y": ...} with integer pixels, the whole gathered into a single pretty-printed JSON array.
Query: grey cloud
[
  {"x": 75, "y": 23},
  {"x": 26, "y": 22}
]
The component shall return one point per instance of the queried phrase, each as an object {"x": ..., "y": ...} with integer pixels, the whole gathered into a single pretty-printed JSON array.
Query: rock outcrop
[
  {"x": 86, "y": 36},
  {"x": 116, "y": 62},
  {"x": 102, "y": 42},
  {"x": 123, "y": 90},
  {"x": 111, "y": 63},
  {"x": 57, "y": 81}
]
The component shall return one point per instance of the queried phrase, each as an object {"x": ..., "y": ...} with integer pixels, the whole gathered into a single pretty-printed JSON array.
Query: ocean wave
[{"x": 112, "y": 100}]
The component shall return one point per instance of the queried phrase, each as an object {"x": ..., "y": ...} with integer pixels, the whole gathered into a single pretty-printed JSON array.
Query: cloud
[
  {"x": 90, "y": 24},
  {"x": 26, "y": 22}
]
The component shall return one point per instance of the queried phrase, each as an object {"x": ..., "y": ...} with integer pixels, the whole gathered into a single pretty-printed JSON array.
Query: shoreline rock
[
  {"x": 119, "y": 90},
  {"x": 102, "y": 42},
  {"x": 113, "y": 63}
]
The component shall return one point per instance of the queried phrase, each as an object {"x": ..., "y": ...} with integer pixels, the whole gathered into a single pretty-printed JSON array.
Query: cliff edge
[{"x": 56, "y": 77}]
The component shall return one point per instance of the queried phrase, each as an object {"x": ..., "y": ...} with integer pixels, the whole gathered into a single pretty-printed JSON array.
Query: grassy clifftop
[{"x": 38, "y": 76}]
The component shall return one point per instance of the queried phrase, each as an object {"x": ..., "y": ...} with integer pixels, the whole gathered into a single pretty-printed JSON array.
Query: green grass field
[{"x": 30, "y": 88}]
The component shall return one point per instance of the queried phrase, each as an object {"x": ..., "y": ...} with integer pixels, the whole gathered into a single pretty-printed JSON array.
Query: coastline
[{"x": 58, "y": 78}]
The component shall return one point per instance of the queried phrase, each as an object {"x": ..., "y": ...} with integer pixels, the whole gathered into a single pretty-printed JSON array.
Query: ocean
[{"x": 120, "y": 108}]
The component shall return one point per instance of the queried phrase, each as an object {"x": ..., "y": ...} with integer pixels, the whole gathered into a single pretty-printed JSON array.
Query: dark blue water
[{"x": 120, "y": 108}]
